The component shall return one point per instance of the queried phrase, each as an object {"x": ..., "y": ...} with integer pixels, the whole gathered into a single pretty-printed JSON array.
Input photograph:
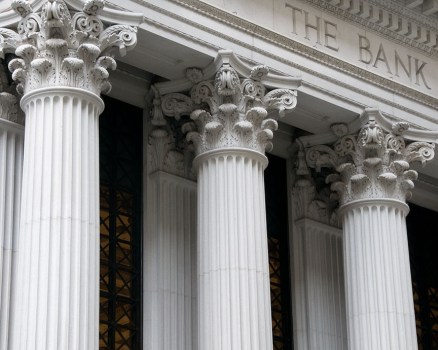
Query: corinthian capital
[
  {"x": 229, "y": 104},
  {"x": 375, "y": 163},
  {"x": 8, "y": 102},
  {"x": 9, "y": 108},
  {"x": 59, "y": 47},
  {"x": 235, "y": 112}
]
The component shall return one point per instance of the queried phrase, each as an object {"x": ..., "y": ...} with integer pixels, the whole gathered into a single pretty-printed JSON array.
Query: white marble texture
[
  {"x": 57, "y": 301},
  {"x": 11, "y": 164},
  {"x": 380, "y": 308},
  {"x": 234, "y": 295}
]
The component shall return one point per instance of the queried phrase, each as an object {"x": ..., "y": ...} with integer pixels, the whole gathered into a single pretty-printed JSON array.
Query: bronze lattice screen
[
  {"x": 423, "y": 245},
  {"x": 277, "y": 223},
  {"x": 120, "y": 227}
]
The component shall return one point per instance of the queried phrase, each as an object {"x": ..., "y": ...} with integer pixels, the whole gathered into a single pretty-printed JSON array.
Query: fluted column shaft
[
  {"x": 317, "y": 279},
  {"x": 170, "y": 264},
  {"x": 319, "y": 318},
  {"x": 11, "y": 163},
  {"x": 234, "y": 294},
  {"x": 230, "y": 131},
  {"x": 58, "y": 273},
  {"x": 380, "y": 309},
  {"x": 62, "y": 60},
  {"x": 372, "y": 181}
]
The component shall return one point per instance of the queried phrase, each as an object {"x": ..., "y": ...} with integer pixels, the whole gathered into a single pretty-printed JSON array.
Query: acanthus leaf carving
[
  {"x": 60, "y": 47},
  {"x": 230, "y": 111},
  {"x": 375, "y": 163},
  {"x": 176, "y": 104},
  {"x": 166, "y": 151},
  {"x": 9, "y": 109},
  {"x": 310, "y": 202},
  {"x": 9, "y": 41}
]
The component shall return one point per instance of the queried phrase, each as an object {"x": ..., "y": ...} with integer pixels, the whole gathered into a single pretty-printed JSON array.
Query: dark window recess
[
  {"x": 423, "y": 244},
  {"x": 277, "y": 223},
  {"x": 120, "y": 226}
]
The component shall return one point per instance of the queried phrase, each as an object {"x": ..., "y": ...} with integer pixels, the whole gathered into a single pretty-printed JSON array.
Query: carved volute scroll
[
  {"x": 9, "y": 109},
  {"x": 230, "y": 111},
  {"x": 235, "y": 112},
  {"x": 375, "y": 163},
  {"x": 167, "y": 148},
  {"x": 60, "y": 47},
  {"x": 311, "y": 201}
]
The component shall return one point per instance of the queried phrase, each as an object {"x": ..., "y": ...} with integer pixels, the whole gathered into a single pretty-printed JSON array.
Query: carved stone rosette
[
  {"x": 373, "y": 164},
  {"x": 230, "y": 111},
  {"x": 57, "y": 47}
]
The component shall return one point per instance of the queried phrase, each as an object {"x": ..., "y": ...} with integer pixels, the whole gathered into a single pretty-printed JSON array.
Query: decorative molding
[
  {"x": 319, "y": 205},
  {"x": 231, "y": 107},
  {"x": 389, "y": 25},
  {"x": 60, "y": 47},
  {"x": 168, "y": 150},
  {"x": 237, "y": 113},
  {"x": 375, "y": 163},
  {"x": 9, "y": 108},
  {"x": 290, "y": 44}
]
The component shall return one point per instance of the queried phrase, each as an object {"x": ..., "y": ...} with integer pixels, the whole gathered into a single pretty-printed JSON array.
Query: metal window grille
[
  {"x": 424, "y": 267},
  {"x": 120, "y": 227},
  {"x": 277, "y": 223}
]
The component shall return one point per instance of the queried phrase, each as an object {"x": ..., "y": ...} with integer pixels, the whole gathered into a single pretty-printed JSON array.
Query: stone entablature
[{"x": 338, "y": 29}]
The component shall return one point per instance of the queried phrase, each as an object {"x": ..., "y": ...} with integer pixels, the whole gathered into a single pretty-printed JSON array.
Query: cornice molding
[
  {"x": 422, "y": 41},
  {"x": 398, "y": 8},
  {"x": 308, "y": 52}
]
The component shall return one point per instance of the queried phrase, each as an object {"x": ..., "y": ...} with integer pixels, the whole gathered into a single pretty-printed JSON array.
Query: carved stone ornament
[
  {"x": 59, "y": 47},
  {"x": 165, "y": 153},
  {"x": 308, "y": 202},
  {"x": 375, "y": 163},
  {"x": 230, "y": 111},
  {"x": 9, "y": 108}
]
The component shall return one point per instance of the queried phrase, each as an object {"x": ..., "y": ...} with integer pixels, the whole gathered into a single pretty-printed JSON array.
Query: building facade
[{"x": 217, "y": 174}]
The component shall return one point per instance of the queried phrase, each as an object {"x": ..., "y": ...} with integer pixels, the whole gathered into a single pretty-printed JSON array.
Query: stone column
[
  {"x": 169, "y": 275},
  {"x": 11, "y": 163},
  {"x": 317, "y": 259},
  {"x": 61, "y": 70},
  {"x": 373, "y": 182},
  {"x": 232, "y": 134}
]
